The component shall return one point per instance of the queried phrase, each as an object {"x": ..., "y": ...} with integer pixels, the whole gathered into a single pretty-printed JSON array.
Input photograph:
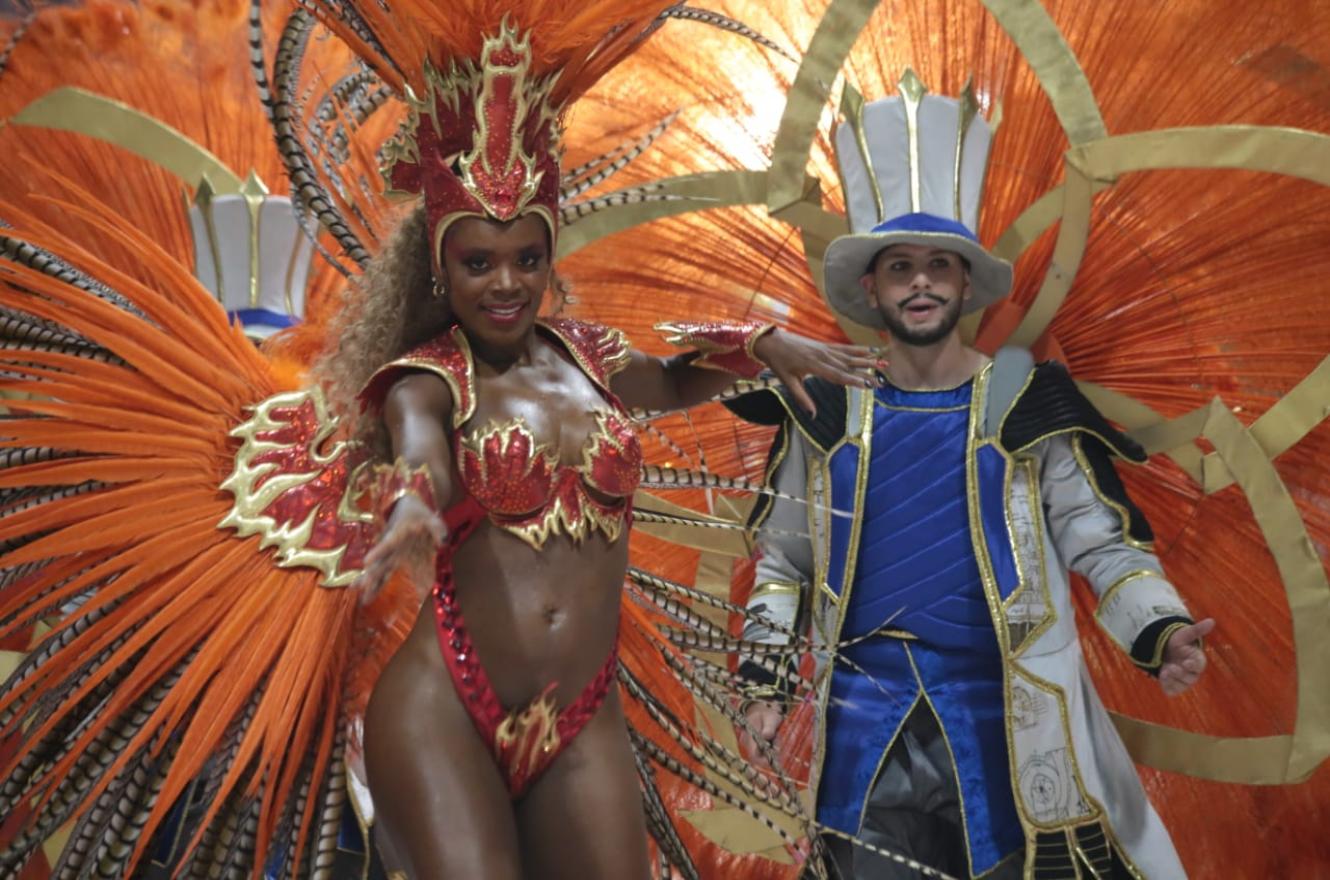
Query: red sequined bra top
[{"x": 515, "y": 479}]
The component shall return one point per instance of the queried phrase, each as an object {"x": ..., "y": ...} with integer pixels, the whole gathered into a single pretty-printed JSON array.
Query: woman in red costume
[{"x": 495, "y": 737}]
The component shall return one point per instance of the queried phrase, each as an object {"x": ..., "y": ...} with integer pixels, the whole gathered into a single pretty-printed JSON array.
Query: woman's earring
[{"x": 440, "y": 289}]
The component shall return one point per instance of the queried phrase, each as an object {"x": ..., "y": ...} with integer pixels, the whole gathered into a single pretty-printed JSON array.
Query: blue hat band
[
  {"x": 920, "y": 222},
  {"x": 264, "y": 317}
]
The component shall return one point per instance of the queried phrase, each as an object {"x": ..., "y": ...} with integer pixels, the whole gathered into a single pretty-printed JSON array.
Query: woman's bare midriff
[
  {"x": 535, "y": 617},
  {"x": 540, "y": 616}
]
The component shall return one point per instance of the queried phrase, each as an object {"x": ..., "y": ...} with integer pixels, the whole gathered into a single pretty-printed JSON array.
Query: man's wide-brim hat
[{"x": 913, "y": 169}]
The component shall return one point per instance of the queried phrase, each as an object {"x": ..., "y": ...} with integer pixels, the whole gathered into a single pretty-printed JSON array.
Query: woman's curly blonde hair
[{"x": 389, "y": 310}]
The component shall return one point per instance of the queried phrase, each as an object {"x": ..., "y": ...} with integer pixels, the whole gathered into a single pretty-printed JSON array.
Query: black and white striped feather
[
  {"x": 587, "y": 177},
  {"x": 725, "y": 23}
]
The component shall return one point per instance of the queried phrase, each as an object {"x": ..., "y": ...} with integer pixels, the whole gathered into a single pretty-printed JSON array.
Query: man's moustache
[{"x": 909, "y": 300}]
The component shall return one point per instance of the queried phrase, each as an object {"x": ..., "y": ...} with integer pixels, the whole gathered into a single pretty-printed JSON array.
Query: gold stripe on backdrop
[
  {"x": 1272, "y": 759},
  {"x": 697, "y": 192},
  {"x": 84, "y": 112},
  {"x": 836, "y": 34},
  {"x": 1241, "y": 147}
]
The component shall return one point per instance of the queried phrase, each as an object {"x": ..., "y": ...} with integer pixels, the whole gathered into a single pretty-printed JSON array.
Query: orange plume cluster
[{"x": 579, "y": 41}]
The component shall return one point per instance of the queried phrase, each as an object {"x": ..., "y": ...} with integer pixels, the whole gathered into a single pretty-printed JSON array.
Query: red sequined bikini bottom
[{"x": 526, "y": 740}]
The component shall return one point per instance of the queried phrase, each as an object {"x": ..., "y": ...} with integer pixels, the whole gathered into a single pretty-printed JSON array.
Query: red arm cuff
[
  {"x": 400, "y": 480},
  {"x": 727, "y": 347}
]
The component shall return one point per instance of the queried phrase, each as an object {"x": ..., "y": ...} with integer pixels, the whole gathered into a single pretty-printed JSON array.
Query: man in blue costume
[{"x": 958, "y": 722}]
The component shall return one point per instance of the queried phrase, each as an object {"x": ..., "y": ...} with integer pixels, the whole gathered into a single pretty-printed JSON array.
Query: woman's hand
[
  {"x": 764, "y": 720},
  {"x": 412, "y": 537},
  {"x": 793, "y": 358}
]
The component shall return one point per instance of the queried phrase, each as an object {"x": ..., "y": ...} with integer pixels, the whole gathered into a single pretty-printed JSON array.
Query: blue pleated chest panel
[
  {"x": 916, "y": 571},
  {"x": 915, "y": 548}
]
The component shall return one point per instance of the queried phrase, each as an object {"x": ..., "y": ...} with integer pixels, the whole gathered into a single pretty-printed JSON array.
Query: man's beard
[{"x": 951, "y": 316}]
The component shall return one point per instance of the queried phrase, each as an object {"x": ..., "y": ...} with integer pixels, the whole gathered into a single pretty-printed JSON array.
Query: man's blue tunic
[{"x": 917, "y": 583}]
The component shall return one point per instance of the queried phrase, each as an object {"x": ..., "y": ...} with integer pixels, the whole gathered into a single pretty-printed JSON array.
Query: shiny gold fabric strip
[
  {"x": 1274, "y": 759},
  {"x": 733, "y": 829},
  {"x": 1244, "y": 760},
  {"x": 835, "y": 35},
  {"x": 725, "y": 541},
  {"x": 84, "y": 112},
  {"x": 203, "y": 196},
  {"x": 1278, "y": 150},
  {"x": 1256, "y": 148},
  {"x": 713, "y": 189},
  {"x": 728, "y": 827},
  {"x": 1022, "y": 233},
  {"x": 852, "y": 108},
  {"x": 1173, "y": 435},
  {"x": 1304, "y": 577},
  {"x": 1147, "y": 427},
  {"x": 1249, "y": 147},
  {"x": 1032, "y": 223},
  {"x": 818, "y": 226},
  {"x": 1059, "y": 73},
  {"x": 54, "y": 845},
  {"x": 1286, "y": 151},
  {"x": 776, "y": 587},
  {"x": 912, "y": 95},
  {"x": 713, "y": 576},
  {"x": 9, "y": 661},
  {"x": 966, "y": 109},
  {"x": 1283, "y": 424},
  {"x": 1073, "y": 235}
]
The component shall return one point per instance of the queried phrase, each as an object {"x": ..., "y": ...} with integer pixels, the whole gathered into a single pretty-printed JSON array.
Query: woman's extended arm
[
  {"x": 415, "y": 412},
  {"x": 687, "y": 379}
]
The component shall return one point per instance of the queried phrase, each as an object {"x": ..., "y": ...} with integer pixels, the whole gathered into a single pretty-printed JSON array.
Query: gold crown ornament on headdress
[
  {"x": 486, "y": 84},
  {"x": 482, "y": 141}
]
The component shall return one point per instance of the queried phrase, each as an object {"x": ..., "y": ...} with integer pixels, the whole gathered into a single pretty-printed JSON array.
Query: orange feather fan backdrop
[
  {"x": 181, "y": 64},
  {"x": 1194, "y": 284}
]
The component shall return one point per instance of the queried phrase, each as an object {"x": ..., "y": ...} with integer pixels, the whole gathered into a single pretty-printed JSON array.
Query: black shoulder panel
[
  {"x": 772, "y": 406},
  {"x": 1052, "y": 404}
]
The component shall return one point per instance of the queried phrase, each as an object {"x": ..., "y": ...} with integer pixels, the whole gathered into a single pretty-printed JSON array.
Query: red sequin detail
[
  {"x": 601, "y": 351},
  {"x": 447, "y": 356},
  {"x": 523, "y": 760},
  {"x": 507, "y": 471},
  {"x": 483, "y": 140},
  {"x": 519, "y": 481},
  {"x": 612, "y": 462},
  {"x": 525, "y": 490},
  {"x": 727, "y": 347}
]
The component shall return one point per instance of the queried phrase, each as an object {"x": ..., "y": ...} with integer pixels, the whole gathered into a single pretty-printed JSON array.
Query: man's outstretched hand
[{"x": 1184, "y": 658}]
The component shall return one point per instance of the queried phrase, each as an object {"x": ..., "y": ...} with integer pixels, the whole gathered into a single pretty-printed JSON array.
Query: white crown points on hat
[
  {"x": 913, "y": 169},
  {"x": 252, "y": 255}
]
